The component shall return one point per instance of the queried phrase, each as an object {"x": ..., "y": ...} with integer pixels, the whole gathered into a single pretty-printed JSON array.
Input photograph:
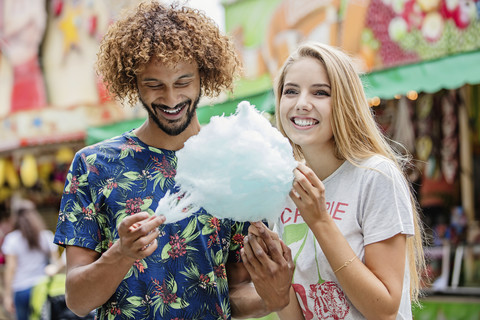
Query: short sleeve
[
  {"x": 9, "y": 244},
  {"x": 77, "y": 224},
  {"x": 387, "y": 208},
  {"x": 48, "y": 239}
]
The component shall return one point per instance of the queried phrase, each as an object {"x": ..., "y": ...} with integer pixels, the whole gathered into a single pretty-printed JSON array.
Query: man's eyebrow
[
  {"x": 188, "y": 75},
  {"x": 185, "y": 76}
]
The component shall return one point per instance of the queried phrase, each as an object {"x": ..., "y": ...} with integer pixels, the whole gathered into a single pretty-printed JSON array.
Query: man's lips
[{"x": 169, "y": 112}]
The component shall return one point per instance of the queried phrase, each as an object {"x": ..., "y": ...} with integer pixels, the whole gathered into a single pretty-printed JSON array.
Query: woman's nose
[{"x": 303, "y": 103}]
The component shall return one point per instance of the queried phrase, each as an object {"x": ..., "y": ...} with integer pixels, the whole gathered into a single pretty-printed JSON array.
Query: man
[{"x": 121, "y": 258}]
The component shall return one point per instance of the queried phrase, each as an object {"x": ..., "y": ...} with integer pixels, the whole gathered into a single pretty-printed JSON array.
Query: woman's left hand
[{"x": 308, "y": 193}]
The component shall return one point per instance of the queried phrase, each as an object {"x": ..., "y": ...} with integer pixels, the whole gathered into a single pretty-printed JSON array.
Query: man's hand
[
  {"x": 138, "y": 235},
  {"x": 269, "y": 262},
  {"x": 92, "y": 278}
]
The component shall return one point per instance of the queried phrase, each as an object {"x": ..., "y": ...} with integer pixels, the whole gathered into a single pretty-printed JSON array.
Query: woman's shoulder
[
  {"x": 14, "y": 234},
  {"x": 46, "y": 233},
  {"x": 378, "y": 162},
  {"x": 12, "y": 239},
  {"x": 375, "y": 161},
  {"x": 380, "y": 166}
]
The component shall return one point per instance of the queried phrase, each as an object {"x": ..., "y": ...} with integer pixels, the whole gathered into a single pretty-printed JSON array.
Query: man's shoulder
[
  {"x": 118, "y": 146},
  {"x": 114, "y": 142}
]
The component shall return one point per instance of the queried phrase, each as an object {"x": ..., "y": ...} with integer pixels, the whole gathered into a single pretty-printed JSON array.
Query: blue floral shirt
[{"x": 185, "y": 278}]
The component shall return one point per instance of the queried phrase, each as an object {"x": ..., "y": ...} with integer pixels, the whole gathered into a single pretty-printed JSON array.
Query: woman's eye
[
  {"x": 322, "y": 93},
  {"x": 289, "y": 91}
]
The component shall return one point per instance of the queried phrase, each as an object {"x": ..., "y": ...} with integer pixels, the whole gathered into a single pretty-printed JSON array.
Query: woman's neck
[{"x": 322, "y": 162}]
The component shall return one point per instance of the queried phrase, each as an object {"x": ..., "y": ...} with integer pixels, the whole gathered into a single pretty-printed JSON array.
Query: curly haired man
[{"x": 121, "y": 259}]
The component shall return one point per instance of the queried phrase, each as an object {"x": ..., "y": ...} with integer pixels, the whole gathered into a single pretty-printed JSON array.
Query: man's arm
[
  {"x": 92, "y": 278},
  {"x": 293, "y": 310},
  {"x": 260, "y": 285}
]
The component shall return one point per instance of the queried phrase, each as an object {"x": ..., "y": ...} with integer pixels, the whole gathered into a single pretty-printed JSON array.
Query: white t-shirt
[
  {"x": 30, "y": 263},
  {"x": 369, "y": 204}
]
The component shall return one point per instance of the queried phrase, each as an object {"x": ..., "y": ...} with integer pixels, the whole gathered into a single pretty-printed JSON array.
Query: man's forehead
[{"x": 156, "y": 67}]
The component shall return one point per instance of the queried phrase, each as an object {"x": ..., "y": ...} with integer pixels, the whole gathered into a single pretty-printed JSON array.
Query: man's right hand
[
  {"x": 92, "y": 278},
  {"x": 138, "y": 235}
]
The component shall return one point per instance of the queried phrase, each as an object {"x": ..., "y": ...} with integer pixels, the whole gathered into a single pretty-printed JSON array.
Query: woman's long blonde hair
[{"x": 355, "y": 132}]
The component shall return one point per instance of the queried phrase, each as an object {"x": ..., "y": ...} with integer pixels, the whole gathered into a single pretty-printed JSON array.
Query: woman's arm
[
  {"x": 10, "y": 268},
  {"x": 374, "y": 287}
]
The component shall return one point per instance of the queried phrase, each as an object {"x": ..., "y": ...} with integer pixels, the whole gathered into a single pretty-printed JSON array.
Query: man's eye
[
  {"x": 152, "y": 85},
  {"x": 183, "y": 84}
]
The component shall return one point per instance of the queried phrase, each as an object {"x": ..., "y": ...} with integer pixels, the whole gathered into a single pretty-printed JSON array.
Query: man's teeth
[
  {"x": 172, "y": 111},
  {"x": 304, "y": 122}
]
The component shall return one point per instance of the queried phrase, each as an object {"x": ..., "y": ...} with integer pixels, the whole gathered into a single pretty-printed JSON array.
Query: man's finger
[
  {"x": 246, "y": 262},
  {"x": 271, "y": 240},
  {"x": 260, "y": 254},
  {"x": 134, "y": 219},
  {"x": 250, "y": 247},
  {"x": 287, "y": 254},
  {"x": 147, "y": 225}
]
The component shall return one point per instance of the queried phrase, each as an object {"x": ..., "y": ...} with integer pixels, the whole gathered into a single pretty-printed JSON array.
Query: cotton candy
[{"x": 238, "y": 167}]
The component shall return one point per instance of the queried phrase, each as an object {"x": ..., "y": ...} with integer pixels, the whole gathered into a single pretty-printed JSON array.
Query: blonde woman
[{"x": 351, "y": 222}]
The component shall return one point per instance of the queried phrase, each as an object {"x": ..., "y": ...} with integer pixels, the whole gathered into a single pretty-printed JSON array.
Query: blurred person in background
[
  {"x": 28, "y": 248},
  {"x": 5, "y": 228}
]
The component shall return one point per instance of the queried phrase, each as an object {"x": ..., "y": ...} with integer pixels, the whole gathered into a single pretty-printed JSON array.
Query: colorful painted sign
[{"x": 380, "y": 34}]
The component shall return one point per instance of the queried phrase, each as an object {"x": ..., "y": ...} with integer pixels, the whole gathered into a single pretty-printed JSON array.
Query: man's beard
[{"x": 175, "y": 127}]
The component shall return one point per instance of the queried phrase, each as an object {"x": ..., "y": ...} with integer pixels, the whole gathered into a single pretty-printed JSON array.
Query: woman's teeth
[{"x": 304, "y": 122}]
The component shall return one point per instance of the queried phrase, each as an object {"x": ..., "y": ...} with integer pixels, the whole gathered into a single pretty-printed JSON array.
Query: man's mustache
[{"x": 164, "y": 106}]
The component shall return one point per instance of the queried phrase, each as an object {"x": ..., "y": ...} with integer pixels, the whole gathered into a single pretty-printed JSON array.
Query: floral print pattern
[{"x": 185, "y": 278}]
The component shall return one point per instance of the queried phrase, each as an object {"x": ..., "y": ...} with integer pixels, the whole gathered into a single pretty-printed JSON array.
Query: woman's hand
[
  {"x": 308, "y": 193},
  {"x": 8, "y": 304}
]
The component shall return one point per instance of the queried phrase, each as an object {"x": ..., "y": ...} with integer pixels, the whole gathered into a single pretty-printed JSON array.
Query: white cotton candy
[{"x": 238, "y": 167}]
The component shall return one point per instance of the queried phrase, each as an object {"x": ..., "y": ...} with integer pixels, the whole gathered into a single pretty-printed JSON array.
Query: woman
[
  {"x": 28, "y": 249},
  {"x": 351, "y": 221}
]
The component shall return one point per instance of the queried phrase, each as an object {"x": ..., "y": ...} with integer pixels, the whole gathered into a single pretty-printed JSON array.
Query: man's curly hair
[{"x": 172, "y": 34}]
